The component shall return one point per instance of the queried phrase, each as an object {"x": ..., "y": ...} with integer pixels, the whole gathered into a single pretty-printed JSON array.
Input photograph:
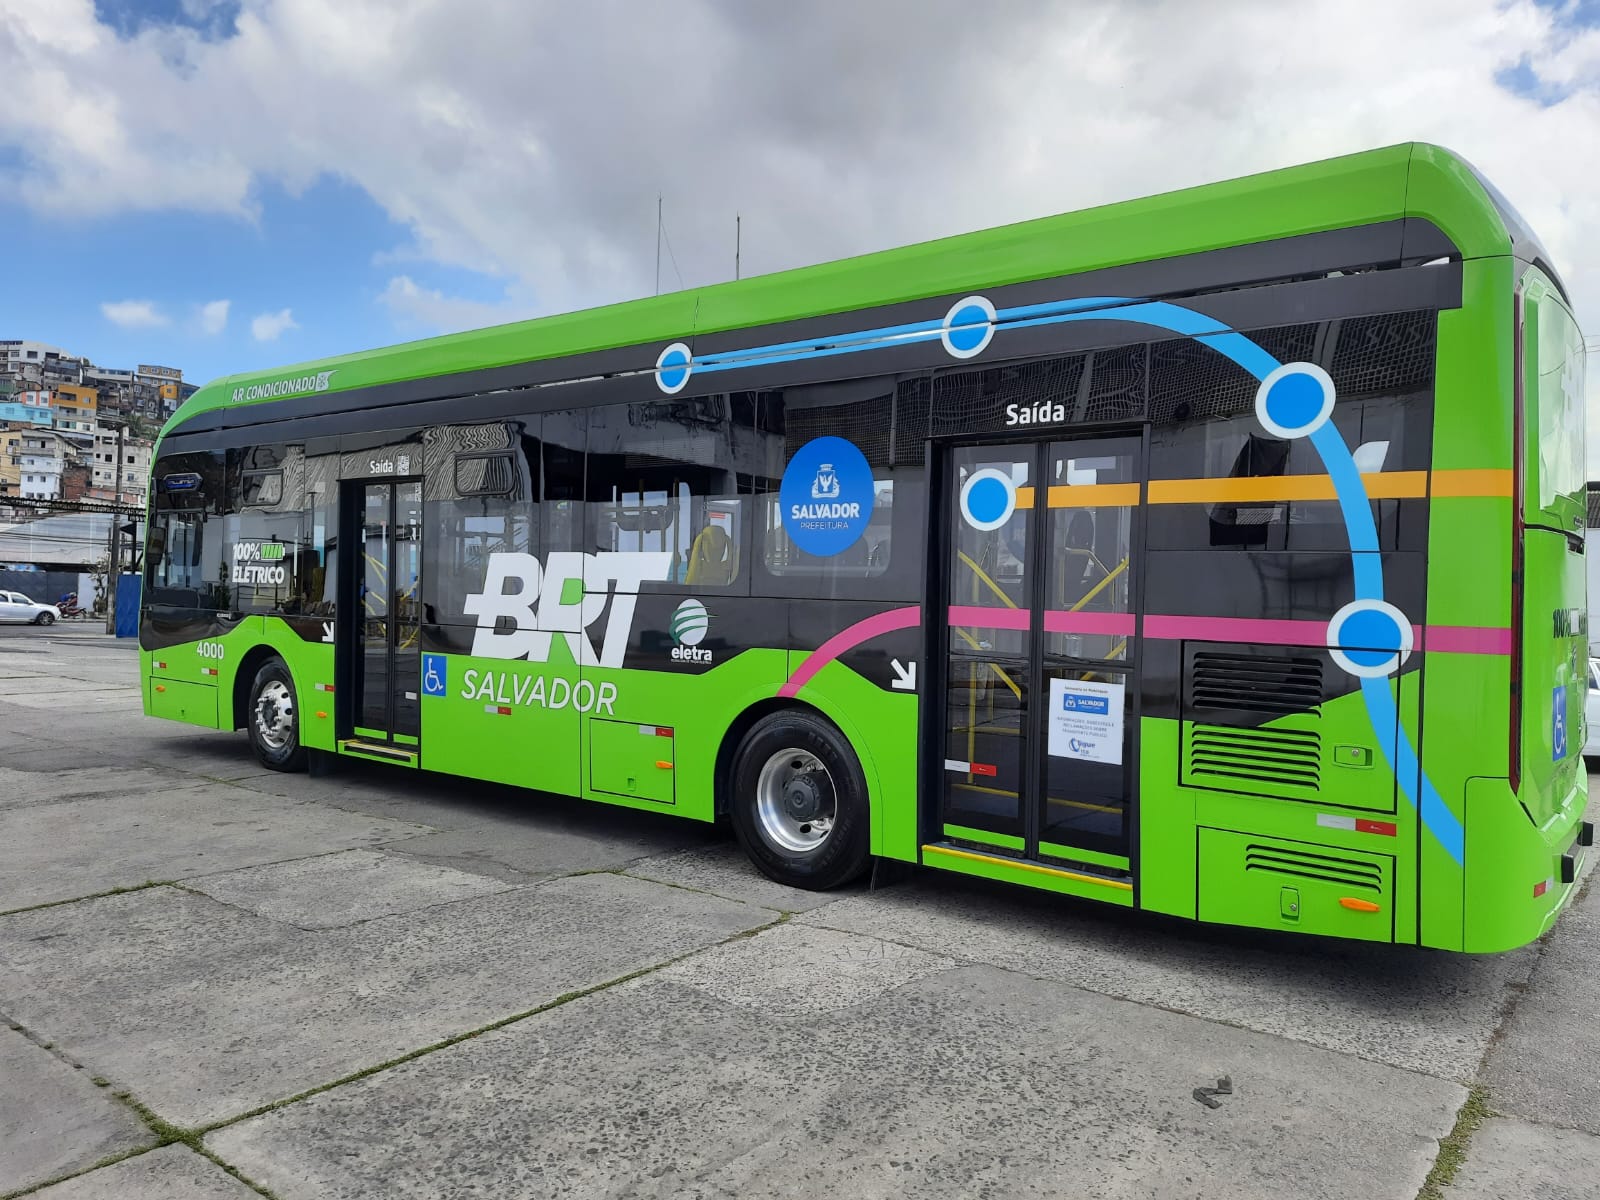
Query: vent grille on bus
[
  {"x": 1280, "y": 757},
  {"x": 1350, "y": 873},
  {"x": 1264, "y": 685}
]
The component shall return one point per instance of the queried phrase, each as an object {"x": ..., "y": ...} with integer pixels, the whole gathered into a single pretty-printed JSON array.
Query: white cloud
[
  {"x": 133, "y": 314},
  {"x": 529, "y": 141},
  {"x": 268, "y": 326},
  {"x": 214, "y": 317},
  {"x": 199, "y": 10},
  {"x": 439, "y": 313}
]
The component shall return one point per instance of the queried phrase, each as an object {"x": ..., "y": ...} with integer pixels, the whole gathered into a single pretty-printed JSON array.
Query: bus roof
[{"x": 1410, "y": 180}]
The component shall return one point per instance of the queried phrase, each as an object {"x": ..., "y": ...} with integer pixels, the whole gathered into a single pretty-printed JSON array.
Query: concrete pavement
[{"x": 218, "y": 981}]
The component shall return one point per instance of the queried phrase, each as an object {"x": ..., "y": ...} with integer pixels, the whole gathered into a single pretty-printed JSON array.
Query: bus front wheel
[
  {"x": 274, "y": 719},
  {"x": 799, "y": 802}
]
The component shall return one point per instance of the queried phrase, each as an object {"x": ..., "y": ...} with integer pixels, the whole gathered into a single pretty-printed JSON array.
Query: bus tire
[
  {"x": 798, "y": 802},
  {"x": 273, "y": 719}
]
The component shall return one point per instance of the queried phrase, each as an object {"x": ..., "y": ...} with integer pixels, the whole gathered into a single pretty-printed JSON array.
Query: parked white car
[
  {"x": 1591, "y": 715},
  {"x": 14, "y": 606}
]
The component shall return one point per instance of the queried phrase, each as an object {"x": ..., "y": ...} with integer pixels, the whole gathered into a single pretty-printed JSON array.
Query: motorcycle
[{"x": 68, "y": 605}]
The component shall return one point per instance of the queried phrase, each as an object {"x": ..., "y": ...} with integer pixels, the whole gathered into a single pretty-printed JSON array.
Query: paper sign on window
[{"x": 1086, "y": 720}]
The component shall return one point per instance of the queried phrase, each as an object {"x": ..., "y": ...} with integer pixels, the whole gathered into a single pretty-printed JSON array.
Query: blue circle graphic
[
  {"x": 987, "y": 500},
  {"x": 1369, "y": 637},
  {"x": 969, "y": 328},
  {"x": 826, "y": 496},
  {"x": 1294, "y": 401},
  {"x": 673, "y": 368}
]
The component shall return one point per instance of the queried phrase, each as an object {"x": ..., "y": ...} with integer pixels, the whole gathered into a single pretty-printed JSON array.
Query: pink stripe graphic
[
  {"x": 1055, "y": 620},
  {"x": 1449, "y": 639},
  {"x": 975, "y": 617},
  {"x": 848, "y": 639},
  {"x": 1468, "y": 639},
  {"x": 1237, "y": 629},
  {"x": 1110, "y": 624}
]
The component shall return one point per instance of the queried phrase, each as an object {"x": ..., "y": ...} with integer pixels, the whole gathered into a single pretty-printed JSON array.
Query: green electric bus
[{"x": 1217, "y": 554}]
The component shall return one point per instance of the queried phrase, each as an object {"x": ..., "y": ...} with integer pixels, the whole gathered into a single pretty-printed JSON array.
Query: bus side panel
[
  {"x": 655, "y": 746},
  {"x": 1328, "y": 864},
  {"x": 211, "y": 662},
  {"x": 882, "y": 729},
  {"x": 1464, "y": 730},
  {"x": 310, "y": 665},
  {"x": 506, "y": 720},
  {"x": 1166, "y": 828},
  {"x": 230, "y": 660}
]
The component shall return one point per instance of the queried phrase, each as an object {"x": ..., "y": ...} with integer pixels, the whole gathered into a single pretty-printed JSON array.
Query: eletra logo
[{"x": 688, "y": 627}]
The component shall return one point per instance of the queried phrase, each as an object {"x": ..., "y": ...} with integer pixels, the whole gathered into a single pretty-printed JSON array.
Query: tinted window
[
  {"x": 268, "y": 548},
  {"x": 840, "y": 494},
  {"x": 663, "y": 476},
  {"x": 1206, "y": 428},
  {"x": 478, "y": 500},
  {"x": 184, "y": 565}
]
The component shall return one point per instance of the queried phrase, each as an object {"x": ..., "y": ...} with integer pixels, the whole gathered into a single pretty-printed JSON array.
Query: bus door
[
  {"x": 1041, "y": 689},
  {"x": 386, "y": 655}
]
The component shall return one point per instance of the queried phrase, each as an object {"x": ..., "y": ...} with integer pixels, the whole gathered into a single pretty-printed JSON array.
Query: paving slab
[
  {"x": 533, "y": 847},
  {"x": 45, "y": 753},
  {"x": 205, "y": 1011},
  {"x": 334, "y": 890},
  {"x": 1545, "y": 1065},
  {"x": 24, "y": 788},
  {"x": 723, "y": 869},
  {"x": 796, "y": 970},
  {"x": 100, "y": 699},
  {"x": 175, "y": 834},
  {"x": 170, "y": 1173},
  {"x": 207, "y": 754},
  {"x": 1509, "y": 1159},
  {"x": 18, "y": 687},
  {"x": 53, "y": 1119},
  {"x": 1421, "y": 1010},
  {"x": 954, "y": 1083}
]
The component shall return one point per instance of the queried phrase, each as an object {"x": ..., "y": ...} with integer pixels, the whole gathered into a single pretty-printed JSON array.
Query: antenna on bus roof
[
  {"x": 663, "y": 239},
  {"x": 736, "y": 240}
]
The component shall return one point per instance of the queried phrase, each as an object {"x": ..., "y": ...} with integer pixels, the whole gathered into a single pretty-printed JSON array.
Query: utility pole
[{"x": 113, "y": 565}]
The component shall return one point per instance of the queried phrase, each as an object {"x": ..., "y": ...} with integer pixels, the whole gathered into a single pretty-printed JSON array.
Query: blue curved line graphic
[
  {"x": 1355, "y": 506},
  {"x": 1365, "y": 562}
]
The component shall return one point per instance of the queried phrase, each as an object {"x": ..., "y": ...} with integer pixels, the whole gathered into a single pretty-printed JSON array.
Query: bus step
[{"x": 383, "y": 753}]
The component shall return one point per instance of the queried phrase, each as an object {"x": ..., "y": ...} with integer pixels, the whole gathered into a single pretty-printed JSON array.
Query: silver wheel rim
[
  {"x": 46, "y": 619},
  {"x": 796, "y": 805},
  {"x": 274, "y": 715}
]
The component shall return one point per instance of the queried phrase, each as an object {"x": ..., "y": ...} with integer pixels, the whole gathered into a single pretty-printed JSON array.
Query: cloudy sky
[{"x": 222, "y": 185}]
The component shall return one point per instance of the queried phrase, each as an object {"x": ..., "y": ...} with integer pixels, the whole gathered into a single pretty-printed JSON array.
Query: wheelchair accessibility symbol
[{"x": 435, "y": 675}]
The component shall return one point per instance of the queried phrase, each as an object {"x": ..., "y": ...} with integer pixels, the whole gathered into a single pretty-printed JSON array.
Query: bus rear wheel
[
  {"x": 273, "y": 719},
  {"x": 799, "y": 802}
]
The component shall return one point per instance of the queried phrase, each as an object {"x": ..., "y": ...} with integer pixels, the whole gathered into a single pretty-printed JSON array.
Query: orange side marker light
[{"x": 1355, "y": 905}]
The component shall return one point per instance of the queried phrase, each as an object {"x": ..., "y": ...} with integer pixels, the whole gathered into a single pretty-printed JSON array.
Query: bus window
[
  {"x": 659, "y": 481},
  {"x": 858, "y": 417}
]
